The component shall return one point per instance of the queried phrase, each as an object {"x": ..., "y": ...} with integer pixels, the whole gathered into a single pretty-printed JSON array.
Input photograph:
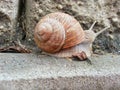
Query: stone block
[
  {"x": 8, "y": 20},
  {"x": 41, "y": 72}
]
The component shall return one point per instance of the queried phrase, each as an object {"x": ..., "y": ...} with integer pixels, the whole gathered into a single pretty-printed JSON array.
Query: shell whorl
[
  {"x": 49, "y": 35},
  {"x": 58, "y": 31}
]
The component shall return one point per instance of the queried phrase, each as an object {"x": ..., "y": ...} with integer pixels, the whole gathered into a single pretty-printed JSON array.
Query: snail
[{"x": 60, "y": 35}]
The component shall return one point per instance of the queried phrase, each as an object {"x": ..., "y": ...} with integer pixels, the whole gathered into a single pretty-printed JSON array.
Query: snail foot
[{"x": 81, "y": 56}]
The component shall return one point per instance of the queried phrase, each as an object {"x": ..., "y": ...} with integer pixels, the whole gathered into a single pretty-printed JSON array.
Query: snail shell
[{"x": 57, "y": 32}]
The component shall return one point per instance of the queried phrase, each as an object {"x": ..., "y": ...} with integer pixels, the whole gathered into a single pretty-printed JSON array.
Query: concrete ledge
[{"x": 39, "y": 72}]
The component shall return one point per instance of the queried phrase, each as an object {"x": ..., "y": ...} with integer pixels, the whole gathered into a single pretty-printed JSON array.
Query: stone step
[{"x": 40, "y": 72}]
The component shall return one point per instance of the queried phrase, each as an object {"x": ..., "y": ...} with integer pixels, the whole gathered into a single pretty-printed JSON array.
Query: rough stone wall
[
  {"x": 105, "y": 12},
  {"x": 8, "y": 19}
]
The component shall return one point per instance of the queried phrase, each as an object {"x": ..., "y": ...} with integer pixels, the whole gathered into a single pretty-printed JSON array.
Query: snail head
[{"x": 90, "y": 35}]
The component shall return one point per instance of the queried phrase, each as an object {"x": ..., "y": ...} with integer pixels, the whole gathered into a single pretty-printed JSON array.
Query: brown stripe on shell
[
  {"x": 73, "y": 33},
  {"x": 74, "y": 36}
]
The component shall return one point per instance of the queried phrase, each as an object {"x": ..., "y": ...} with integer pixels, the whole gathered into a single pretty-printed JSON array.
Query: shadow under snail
[{"x": 60, "y": 35}]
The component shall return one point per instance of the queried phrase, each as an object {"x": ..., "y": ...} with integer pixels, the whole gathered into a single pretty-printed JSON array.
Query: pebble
[
  {"x": 115, "y": 19},
  {"x": 59, "y": 6},
  {"x": 1, "y": 27}
]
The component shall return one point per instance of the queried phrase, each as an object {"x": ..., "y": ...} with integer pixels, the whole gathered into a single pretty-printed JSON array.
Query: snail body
[{"x": 61, "y": 35}]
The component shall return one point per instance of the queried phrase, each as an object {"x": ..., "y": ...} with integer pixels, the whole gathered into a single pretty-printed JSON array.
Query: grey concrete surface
[{"x": 40, "y": 72}]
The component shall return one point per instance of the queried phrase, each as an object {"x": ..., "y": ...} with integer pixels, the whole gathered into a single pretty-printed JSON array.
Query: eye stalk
[
  {"x": 90, "y": 35},
  {"x": 104, "y": 29}
]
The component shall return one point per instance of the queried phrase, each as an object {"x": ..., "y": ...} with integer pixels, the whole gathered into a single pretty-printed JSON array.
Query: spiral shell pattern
[{"x": 58, "y": 31}]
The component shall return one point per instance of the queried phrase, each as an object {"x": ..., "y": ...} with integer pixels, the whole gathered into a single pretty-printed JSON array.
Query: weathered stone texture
[
  {"x": 105, "y": 12},
  {"x": 8, "y": 19}
]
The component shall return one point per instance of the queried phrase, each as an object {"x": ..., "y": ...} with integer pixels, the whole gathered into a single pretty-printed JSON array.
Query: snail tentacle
[
  {"x": 104, "y": 29},
  {"x": 91, "y": 28}
]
